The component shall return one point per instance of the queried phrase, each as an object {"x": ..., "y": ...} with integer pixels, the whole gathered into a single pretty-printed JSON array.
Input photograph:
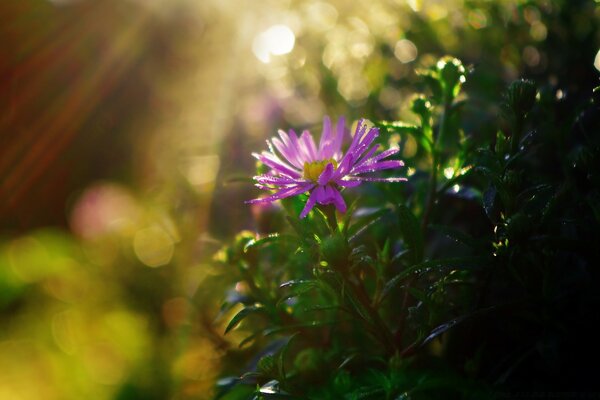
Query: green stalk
[
  {"x": 386, "y": 338},
  {"x": 516, "y": 136},
  {"x": 330, "y": 214},
  {"x": 435, "y": 165}
]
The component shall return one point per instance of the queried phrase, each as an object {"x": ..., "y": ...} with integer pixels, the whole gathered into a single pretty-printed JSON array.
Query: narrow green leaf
[
  {"x": 399, "y": 255},
  {"x": 454, "y": 262},
  {"x": 361, "y": 225},
  {"x": 272, "y": 238},
  {"x": 489, "y": 197},
  {"x": 297, "y": 288},
  {"x": 458, "y": 235},
  {"x": 281, "y": 358},
  {"x": 414, "y": 131},
  {"x": 244, "y": 312},
  {"x": 420, "y": 295},
  {"x": 311, "y": 324},
  {"x": 249, "y": 339}
]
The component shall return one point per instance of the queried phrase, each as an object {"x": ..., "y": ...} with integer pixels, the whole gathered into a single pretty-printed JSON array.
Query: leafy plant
[{"x": 456, "y": 284}]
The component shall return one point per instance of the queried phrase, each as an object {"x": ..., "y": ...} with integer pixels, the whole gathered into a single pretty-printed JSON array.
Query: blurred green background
[{"x": 124, "y": 125}]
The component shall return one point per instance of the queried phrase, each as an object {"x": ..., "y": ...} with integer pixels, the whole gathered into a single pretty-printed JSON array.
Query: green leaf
[
  {"x": 399, "y": 255},
  {"x": 320, "y": 225},
  {"x": 281, "y": 358},
  {"x": 297, "y": 288},
  {"x": 458, "y": 235},
  {"x": 249, "y": 339},
  {"x": 271, "y": 390},
  {"x": 420, "y": 295},
  {"x": 437, "y": 331},
  {"x": 311, "y": 324},
  {"x": 453, "y": 262},
  {"x": 272, "y": 238},
  {"x": 360, "y": 226},
  {"x": 489, "y": 200},
  {"x": 414, "y": 131},
  {"x": 244, "y": 312},
  {"x": 348, "y": 216}
]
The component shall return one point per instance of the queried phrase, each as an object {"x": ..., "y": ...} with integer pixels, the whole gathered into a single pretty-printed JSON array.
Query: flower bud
[
  {"x": 521, "y": 96},
  {"x": 308, "y": 361},
  {"x": 452, "y": 75},
  {"x": 422, "y": 107}
]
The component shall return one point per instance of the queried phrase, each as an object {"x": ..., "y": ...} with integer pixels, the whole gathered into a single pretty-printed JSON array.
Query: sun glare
[{"x": 277, "y": 40}]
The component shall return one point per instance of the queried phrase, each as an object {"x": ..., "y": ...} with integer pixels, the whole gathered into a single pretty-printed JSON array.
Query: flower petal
[
  {"x": 338, "y": 200},
  {"x": 279, "y": 180},
  {"x": 312, "y": 200},
  {"x": 272, "y": 161},
  {"x": 374, "y": 179},
  {"x": 290, "y": 154},
  {"x": 336, "y": 150},
  {"x": 326, "y": 139},
  {"x": 366, "y": 142},
  {"x": 283, "y": 193},
  {"x": 344, "y": 167},
  {"x": 384, "y": 154},
  {"x": 360, "y": 130},
  {"x": 367, "y": 155},
  {"x": 372, "y": 167},
  {"x": 325, "y": 175},
  {"x": 348, "y": 183},
  {"x": 309, "y": 145},
  {"x": 290, "y": 147}
]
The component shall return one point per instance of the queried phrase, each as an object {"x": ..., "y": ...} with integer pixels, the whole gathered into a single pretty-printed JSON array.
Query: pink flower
[{"x": 300, "y": 166}]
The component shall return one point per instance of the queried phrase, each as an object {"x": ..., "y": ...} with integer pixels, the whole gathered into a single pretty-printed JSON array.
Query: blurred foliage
[{"x": 475, "y": 278}]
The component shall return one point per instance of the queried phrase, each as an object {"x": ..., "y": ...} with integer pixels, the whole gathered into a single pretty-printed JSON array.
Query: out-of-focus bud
[
  {"x": 422, "y": 107},
  {"x": 308, "y": 361},
  {"x": 521, "y": 96},
  {"x": 452, "y": 76}
]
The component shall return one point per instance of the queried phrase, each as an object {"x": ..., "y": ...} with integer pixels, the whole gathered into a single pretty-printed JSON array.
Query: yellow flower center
[{"x": 312, "y": 170}]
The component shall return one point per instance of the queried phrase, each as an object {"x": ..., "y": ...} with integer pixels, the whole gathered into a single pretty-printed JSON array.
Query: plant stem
[
  {"x": 431, "y": 195},
  {"x": 361, "y": 294},
  {"x": 435, "y": 160},
  {"x": 516, "y": 136},
  {"x": 329, "y": 211}
]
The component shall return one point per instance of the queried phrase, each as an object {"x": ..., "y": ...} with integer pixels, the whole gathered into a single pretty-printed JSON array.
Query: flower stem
[
  {"x": 432, "y": 191},
  {"x": 380, "y": 327},
  {"x": 435, "y": 160},
  {"x": 516, "y": 136},
  {"x": 330, "y": 214}
]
